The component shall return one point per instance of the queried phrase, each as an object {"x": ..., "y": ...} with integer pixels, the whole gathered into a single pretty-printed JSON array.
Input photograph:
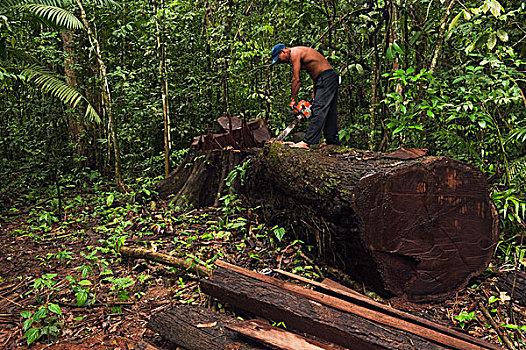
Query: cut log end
[{"x": 429, "y": 227}]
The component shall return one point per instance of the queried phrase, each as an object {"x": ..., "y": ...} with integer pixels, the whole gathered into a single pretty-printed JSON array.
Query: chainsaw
[{"x": 302, "y": 111}]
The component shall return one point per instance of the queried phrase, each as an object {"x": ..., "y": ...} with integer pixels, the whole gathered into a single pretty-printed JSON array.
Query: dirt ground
[{"x": 114, "y": 317}]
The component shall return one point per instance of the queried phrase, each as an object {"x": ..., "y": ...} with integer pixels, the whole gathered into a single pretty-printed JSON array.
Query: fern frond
[
  {"x": 108, "y": 3},
  {"x": 6, "y": 4},
  {"x": 50, "y": 84}
]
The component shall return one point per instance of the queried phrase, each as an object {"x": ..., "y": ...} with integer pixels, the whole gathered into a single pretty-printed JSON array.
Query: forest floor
[{"x": 64, "y": 285}]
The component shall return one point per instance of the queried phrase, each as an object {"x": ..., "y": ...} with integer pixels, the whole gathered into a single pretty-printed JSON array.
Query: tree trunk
[
  {"x": 419, "y": 228},
  {"x": 75, "y": 126},
  {"x": 164, "y": 89}
]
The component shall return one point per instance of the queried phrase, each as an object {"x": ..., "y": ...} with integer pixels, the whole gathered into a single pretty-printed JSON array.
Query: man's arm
[{"x": 295, "y": 60}]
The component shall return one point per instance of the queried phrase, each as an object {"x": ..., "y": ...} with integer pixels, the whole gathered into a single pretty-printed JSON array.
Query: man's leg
[
  {"x": 331, "y": 122},
  {"x": 320, "y": 109}
]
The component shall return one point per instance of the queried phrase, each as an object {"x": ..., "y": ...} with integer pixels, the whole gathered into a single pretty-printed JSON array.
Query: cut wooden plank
[
  {"x": 269, "y": 300},
  {"x": 199, "y": 328},
  {"x": 274, "y": 337},
  {"x": 323, "y": 315},
  {"x": 350, "y": 295}
]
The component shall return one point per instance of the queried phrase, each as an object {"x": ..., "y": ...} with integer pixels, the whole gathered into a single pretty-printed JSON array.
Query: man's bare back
[{"x": 310, "y": 60}]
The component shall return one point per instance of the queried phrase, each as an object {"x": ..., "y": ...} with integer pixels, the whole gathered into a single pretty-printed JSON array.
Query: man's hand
[{"x": 292, "y": 104}]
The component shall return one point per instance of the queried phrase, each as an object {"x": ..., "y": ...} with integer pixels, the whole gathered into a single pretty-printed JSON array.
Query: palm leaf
[
  {"x": 50, "y": 84},
  {"x": 518, "y": 134},
  {"x": 56, "y": 15},
  {"x": 7, "y": 4}
]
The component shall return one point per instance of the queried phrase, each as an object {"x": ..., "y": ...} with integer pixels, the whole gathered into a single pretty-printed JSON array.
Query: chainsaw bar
[{"x": 287, "y": 130}]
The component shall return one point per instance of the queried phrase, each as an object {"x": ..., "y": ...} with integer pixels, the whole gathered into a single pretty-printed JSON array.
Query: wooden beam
[
  {"x": 275, "y": 337},
  {"x": 346, "y": 324},
  {"x": 195, "y": 327},
  {"x": 355, "y": 297}
]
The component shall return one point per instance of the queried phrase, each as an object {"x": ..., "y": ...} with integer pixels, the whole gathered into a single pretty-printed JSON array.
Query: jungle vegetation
[{"x": 116, "y": 90}]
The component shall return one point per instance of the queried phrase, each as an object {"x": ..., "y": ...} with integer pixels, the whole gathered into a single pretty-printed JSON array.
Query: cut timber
[
  {"x": 199, "y": 328},
  {"x": 324, "y": 316},
  {"x": 419, "y": 228},
  {"x": 335, "y": 289},
  {"x": 275, "y": 337},
  {"x": 239, "y": 135},
  {"x": 141, "y": 253}
]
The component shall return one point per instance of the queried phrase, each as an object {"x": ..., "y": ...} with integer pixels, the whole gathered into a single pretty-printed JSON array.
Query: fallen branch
[
  {"x": 141, "y": 253},
  {"x": 501, "y": 334}
]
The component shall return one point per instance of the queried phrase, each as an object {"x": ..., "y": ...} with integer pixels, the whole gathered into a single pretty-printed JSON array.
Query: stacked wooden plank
[{"x": 332, "y": 316}]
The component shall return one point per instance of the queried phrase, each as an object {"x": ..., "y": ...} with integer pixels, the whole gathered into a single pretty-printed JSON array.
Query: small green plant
[
  {"x": 279, "y": 232},
  {"x": 464, "y": 317},
  {"x": 44, "y": 285},
  {"x": 41, "y": 323},
  {"x": 80, "y": 289},
  {"x": 62, "y": 256},
  {"x": 119, "y": 286}
]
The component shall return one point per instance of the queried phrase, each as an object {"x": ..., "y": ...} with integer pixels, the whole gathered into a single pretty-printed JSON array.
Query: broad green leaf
[
  {"x": 455, "y": 20},
  {"x": 55, "y": 309},
  {"x": 397, "y": 48},
  {"x": 359, "y": 68},
  {"x": 26, "y": 314},
  {"x": 109, "y": 199},
  {"x": 28, "y": 323},
  {"x": 85, "y": 283},
  {"x": 492, "y": 41},
  {"x": 82, "y": 296},
  {"x": 502, "y": 35},
  {"x": 32, "y": 335},
  {"x": 41, "y": 313},
  {"x": 279, "y": 233}
]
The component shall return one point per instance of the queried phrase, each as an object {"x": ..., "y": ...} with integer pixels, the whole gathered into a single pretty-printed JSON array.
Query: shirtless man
[{"x": 325, "y": 91}]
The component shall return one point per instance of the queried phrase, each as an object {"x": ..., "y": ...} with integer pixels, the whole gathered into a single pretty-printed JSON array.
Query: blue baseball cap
[{"x": 275, "y": 52}]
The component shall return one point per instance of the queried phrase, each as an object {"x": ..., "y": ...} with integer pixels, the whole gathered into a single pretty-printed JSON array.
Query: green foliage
[
  {"x": 41, "y": 323},
  {"x": 464, "y": 318}
]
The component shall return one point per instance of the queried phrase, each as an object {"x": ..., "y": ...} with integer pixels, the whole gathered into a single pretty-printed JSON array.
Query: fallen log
[
  {"x": 324, "y": 316},
  {"x": 403, "y": 224},
  {"x": 414, "y": 227},
  {"x": 184, "y": 264},
  {"x": 199, "y": 328}
]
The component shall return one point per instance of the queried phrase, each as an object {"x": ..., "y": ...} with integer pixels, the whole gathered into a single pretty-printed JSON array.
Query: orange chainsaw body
[{"x": 303, "y": 109}]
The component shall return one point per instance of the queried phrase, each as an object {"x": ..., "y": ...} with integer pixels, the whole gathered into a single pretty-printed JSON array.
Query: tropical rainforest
[{"x": 101, "y": 99}]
